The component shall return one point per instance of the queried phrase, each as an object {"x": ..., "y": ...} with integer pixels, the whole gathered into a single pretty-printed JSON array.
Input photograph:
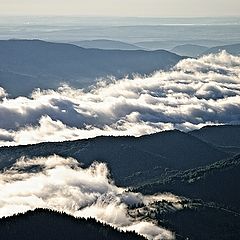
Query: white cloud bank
[
  {"x": 196, "y": 92},
  {"x": 61, "y": 184}
]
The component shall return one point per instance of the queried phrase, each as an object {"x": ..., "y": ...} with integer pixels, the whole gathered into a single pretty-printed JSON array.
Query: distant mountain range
[
  {"x": 198, "y": 51},
  {"x": 168, "y": 45},
  {"x": 232, "y": 49},
  {"x": 182, "y": 48},
  {"x": 107, "y": 44},
  {"x": 28, "y": 64},
  {"x": 189, "y": 50}
]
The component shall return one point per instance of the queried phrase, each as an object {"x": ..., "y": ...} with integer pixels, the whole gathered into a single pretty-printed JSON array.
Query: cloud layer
[
  {"x": 62, "y": 184},
  {"x": 196, "y": 92}
]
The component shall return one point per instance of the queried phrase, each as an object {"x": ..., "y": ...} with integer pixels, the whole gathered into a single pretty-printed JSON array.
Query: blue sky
[{"x": 146, "y": 8}]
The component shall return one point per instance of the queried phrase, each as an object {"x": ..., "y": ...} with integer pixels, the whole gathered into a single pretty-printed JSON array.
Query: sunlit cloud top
[{"x": 197, "y": 92}]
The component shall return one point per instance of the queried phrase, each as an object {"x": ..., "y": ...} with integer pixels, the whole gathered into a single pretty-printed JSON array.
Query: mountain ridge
[
  {"x": 106, "y": 44},
  {"x": 128, "y": 155},
  {"x": 48, "y": 64},
  {"x": 47, "y": 224}
]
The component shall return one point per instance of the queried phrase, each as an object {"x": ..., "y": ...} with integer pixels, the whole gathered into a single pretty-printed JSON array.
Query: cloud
[
  {"x": 3, "y": 93},
  {"x": 195, "y": 93},
  {"x": 62, "y": 184}
]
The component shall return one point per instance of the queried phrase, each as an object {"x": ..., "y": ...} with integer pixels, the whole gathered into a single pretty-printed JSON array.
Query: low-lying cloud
[
  {"x": 62, "y": 184},
  {"x": 196, "y": 92}
]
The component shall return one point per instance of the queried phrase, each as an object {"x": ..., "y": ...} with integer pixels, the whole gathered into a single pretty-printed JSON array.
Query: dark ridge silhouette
[
  {"x": 46, "y": 65},
  {"x": 46, "y": 224},
  {"x": 225, "y": 136},
  {"x": 217, "y": 182},
  {"x": 199, "y": 165},
  {"x": 127, "y": 157},
  {"x": 202, "y": 222}
]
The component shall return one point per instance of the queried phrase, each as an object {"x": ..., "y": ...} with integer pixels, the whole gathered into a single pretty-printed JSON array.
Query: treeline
[
  {"x": 217, "y": 182},
  {"x": 46, "y": 224},
  {"x": 202, "y": 222}
]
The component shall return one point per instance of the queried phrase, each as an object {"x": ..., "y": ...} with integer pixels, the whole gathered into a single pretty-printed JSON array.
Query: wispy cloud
[{"x": 62, "y": 184}]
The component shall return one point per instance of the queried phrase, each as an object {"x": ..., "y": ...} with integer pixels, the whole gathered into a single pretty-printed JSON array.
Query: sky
[{"x": 122, "y": 8}]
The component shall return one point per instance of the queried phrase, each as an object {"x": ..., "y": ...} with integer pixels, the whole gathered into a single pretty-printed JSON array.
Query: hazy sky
[{"x": 150, "y": 8}]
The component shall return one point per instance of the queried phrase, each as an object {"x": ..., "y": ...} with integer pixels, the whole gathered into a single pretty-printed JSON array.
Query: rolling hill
[
  {"x": 203, "y": 221},
  {"x": 200, "y": 165},
  {"x": 46, "y": 224},
  {"x": 106, "y": 44},
  {"x": 170, "y": 44},
  {"x": 131, "y": 160},
  {"x": 28, "y": 64},
  {"x": 226, "y": 137},
  {"x": 217, "y": 182},
  {"x": 190, "y": 50},
  {"x": 233, "y": 49}
]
